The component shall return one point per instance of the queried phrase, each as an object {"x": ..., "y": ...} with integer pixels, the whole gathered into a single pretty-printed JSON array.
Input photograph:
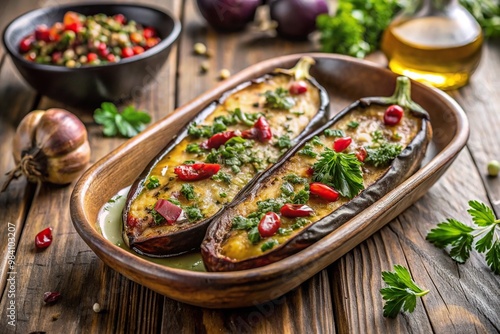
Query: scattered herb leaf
[{"x": 128, "y": 123}]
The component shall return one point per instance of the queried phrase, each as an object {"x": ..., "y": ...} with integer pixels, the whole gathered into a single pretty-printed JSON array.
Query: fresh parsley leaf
[
  {"x": 128, "y": 123},
  {"x": 339, "y": 170},
  {"x": 174, "y": 201},
  {"x": 316, "y": 141},
  {"x": 334, "y": 133},
  {"x": 461, "y": 237},
  {"x": 193, "y": 148},
  {"x": 242, "y": 223},
  {"x": 269, "y": 244},
  {"x": 287, "y": 189},
  {"x": 377, "y": 136},
  {"x": 254, "y": 235},
  {"x": 383, "y": 155},
  {"x": 300, "y": 222},
  {"x": 285, "y": 231},
  {"x": 157, "y": 218},
  {"x": 188, "y": 191},
  {"x": 401, "y": 293},
  {"x": 279, "y": 99},
  {"x": 301, "y": 197},
  {"x": 223, "y": 195},
  {"x": 153, "y": 182}
]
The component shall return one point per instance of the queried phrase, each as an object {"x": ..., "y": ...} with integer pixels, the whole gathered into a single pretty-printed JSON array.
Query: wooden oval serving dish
[{"x": 346, "y": 80}]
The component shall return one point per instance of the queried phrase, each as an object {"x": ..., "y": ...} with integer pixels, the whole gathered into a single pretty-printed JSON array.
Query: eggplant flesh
[
  {"x": 208, "y": 196},
  {"x": 229, "y": 247}
]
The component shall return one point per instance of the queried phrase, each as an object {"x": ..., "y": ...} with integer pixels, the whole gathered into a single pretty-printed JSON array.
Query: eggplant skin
[
  {"x": 190, "y": 236},
  {"x": 407, "y": 163}
]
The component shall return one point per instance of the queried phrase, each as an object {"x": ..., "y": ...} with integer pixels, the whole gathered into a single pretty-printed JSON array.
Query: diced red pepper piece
[
  {"x": 55, "y": 31},
  {"x": 76, "y": 27},
  {"x": 50, "y": 297},
  {"x": 249, "y": 134},
  {"x": 120, "y": 18},
  {"x": 197, "y": 171},
  {"x": 296, "y": 210},
  {"x": 298, "y": 87},
  {"x": 44, "y": 238},
  {"x": 310, "y": 171},
  {"x": 269, "y": 224},
  {"x": 393, "y": 115},
  {"x": 168, "y": 210},
  {"x": 42, "y": 33},
  {"x": 153, "y": 41},
  {"x": 91, "y": 57},
  {"x": 361, "y": 154},
  {"x": 340, "y": 144},
  {"x": 127, "y": 52},
  {"x": 219, "y": 139},
  {"x": 138, "y": 50},
  {"x": 25, "y": 44},
  {"x": 323, "y": 191},
  {"x": 111, "y": 58},
  {"x": 263, "y": 129},
  {"x": 149, "y": 32}
]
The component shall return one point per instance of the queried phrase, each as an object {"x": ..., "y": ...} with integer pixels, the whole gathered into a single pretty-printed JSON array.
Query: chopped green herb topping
[
  {"x": 188, "y": 191},
  {"x": 242, "y": 223},
  {"x": 308, "y": 151},
  {"x": 300, "y": 222},
  {"x": 285, "y": 231},
  {"x": 295, "y": 179},
  {"x": 279, "y": 99},
  {"x": 193, "y": 148},
  {"x": 254, "y": 235},
  {"x": 383, "y": 155},
  {"x": 284, "y": 142},
  {"x": 377, "y": 136},
  {"x": 174, "y": 201},
  {"x": 193, "y": 213},
  {"x": 223, "y": 195},
  {"x": 339, "y": 170},
  {"x": 287, "y": 189},
  {"x": 301, "y": 197},
  {"x": 153, "y": 182},
  {"x": 221, "y": 176},
  {"x": 334, "y": 133},
  {"x": 316, "y": 141},
  {"x": 157, "y": 218},
  {"x": 269, "y": 244},
  {"x": 352, "y": 124}
]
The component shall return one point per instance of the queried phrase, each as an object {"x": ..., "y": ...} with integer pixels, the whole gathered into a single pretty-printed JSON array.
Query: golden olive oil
[{"x": 434, "y": 50}]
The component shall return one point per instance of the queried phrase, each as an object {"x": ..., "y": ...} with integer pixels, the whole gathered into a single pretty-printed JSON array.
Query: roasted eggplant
[
  {"x": 215, "y": 157},
  {"x": 332, "y": 175}
]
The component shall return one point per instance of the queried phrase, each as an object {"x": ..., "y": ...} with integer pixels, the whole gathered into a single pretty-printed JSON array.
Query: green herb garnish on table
[
  {"x": 461, "y": 237},
  {"x": 127, "y": 123},
  {"x": 401, "y": 293}
]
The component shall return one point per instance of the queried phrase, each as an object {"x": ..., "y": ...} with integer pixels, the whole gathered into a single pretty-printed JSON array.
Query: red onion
[
  {"x": 228, "y": 14},
  {"x": 297, "y": 18}
]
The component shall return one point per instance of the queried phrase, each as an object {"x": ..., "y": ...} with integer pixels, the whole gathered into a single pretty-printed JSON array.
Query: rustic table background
[{"x": 343, "y": 298}]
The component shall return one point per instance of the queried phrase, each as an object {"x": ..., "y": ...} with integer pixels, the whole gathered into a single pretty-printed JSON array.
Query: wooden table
[{"x": 343, "y": 298}]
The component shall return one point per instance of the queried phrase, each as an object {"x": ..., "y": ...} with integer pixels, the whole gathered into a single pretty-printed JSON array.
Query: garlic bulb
[{"x": 50, "y": 146}]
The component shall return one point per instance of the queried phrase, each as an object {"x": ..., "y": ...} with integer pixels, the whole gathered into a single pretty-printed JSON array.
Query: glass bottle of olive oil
[{"x": 437, "y": 42}]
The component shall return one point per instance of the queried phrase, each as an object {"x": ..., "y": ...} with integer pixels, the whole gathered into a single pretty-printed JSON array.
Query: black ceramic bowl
[{"x": 90, "y": 85}]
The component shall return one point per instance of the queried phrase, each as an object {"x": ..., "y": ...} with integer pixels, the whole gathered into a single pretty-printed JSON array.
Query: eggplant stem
[
  {"x": 301, "y": 70},
  {"x": 402, "y": 96}
]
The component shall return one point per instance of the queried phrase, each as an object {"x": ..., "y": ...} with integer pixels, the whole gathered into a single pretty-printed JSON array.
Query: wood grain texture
[{"x": 463, "y": 298}]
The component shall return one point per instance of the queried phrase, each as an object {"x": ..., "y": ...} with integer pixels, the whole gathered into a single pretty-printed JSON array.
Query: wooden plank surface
[{"x": 343, "y": 298}]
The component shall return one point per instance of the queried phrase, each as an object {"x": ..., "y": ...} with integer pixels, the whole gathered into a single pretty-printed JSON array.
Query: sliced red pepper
[
  {"x": 50, "y": 297},
  {"x": 44, "y": 238},
  {"x": 263, "y": 129},
  {"x": 340, "y": 144},
  {"x": 393, "y": 115},
  {"x": 197, "y": 171},
  {"x": 298, "y": 87},
  {"x": 296, "y": 210},
  {"x": 361, "y": 154},
  {"x": 219, "y": 139},
  {"x": 323, "y": 191},
  {"x": 269, "y": 224},
  {"x": 168, "y": 210},
  {"x": 120, "y": 18}
]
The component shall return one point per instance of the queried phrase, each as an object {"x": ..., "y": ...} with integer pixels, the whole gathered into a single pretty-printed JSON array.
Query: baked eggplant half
[
  {"x": 332, "y": 175},
  {"x": 215, "y": 157}
]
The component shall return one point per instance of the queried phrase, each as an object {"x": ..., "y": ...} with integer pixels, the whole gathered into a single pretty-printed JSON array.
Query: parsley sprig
[
  {"x": 279, "y": 99},
  {"x": 127, "y": 123},
  {"x": 461, "y": 237},
  {"x": 339, "y": 170},
  {"x": 401, "y": 293}
]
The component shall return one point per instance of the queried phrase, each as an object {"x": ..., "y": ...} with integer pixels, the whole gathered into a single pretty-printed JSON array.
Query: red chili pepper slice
[
  {"x": 361, "y": 154},
  {"x": 263, "y": 129},
  {"x": 298, "y": 87},
  {"x": 197, "y": 171},
  {"x": 44, "y": 238},
  {"x": 269, "y": 224},
  {"x": 296, "y": 210},
  {"x": 42, "y": 33},
  {"x": 323, "y": 191},
  {"x": 168, "y": 210},
  {"x": 393, "y": 115},
  {"x": 340, "y": 144},
  {"x": 219, "y": 139}
]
